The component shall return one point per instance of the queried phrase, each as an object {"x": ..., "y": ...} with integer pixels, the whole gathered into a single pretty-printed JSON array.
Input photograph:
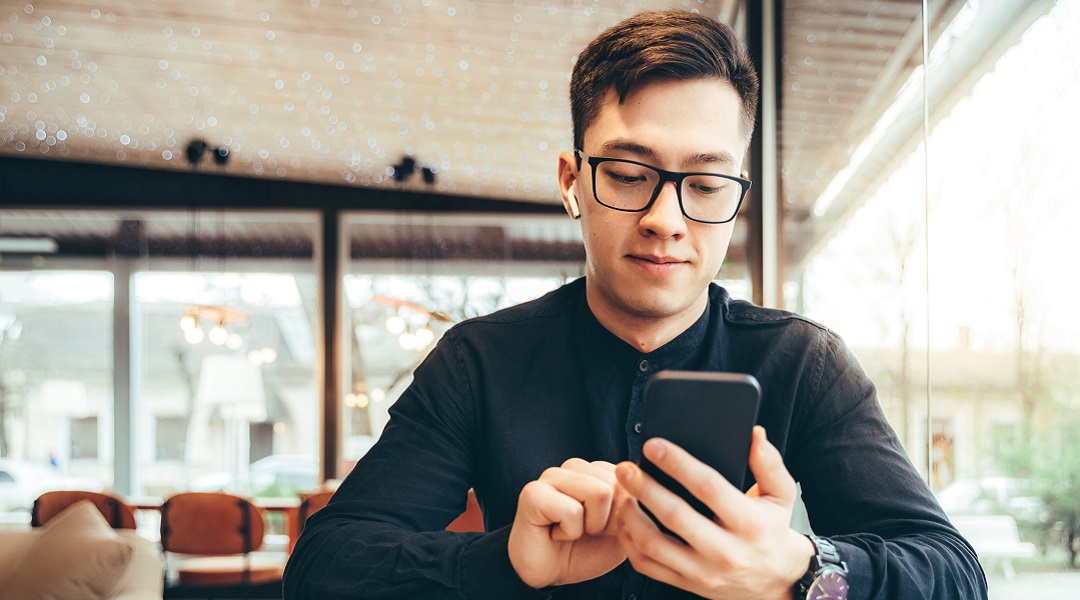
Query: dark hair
[{"x": 671, "y": 44}]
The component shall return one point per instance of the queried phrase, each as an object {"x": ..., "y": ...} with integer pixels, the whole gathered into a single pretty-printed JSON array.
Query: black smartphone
[{"x": 710, "y": 415}]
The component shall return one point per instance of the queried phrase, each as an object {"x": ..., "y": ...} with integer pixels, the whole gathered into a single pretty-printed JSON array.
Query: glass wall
[
  {"x": 211, "y": 382},
  {"x": 940, "y": 249},
  {"x": 56, "y": 384},
  {"x": 227, "y": 386},
  {"x": 410, "y": 277}
]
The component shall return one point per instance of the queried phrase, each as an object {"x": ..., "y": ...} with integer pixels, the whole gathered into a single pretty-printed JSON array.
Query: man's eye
[
  {"x": 704, "y": 189},
  {"x": 625, "y": 179},
  {"x": 707, "y": 188}
]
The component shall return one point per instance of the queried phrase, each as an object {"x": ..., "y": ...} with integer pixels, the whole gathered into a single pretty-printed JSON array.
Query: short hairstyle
[{"x": 670, "y": 44}]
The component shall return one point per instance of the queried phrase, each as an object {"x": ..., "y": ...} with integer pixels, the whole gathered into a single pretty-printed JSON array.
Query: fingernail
[{"x": 622, "y": 472}]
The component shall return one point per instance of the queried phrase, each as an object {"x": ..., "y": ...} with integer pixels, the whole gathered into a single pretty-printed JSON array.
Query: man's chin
[{"x": 656, "y": 306}]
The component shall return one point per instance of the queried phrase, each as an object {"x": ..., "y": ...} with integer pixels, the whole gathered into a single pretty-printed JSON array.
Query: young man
[{"x": 533, "y": 406}]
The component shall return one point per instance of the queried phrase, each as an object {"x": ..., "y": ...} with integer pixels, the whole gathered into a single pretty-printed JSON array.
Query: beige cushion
[{"x": 77, "y": 556}]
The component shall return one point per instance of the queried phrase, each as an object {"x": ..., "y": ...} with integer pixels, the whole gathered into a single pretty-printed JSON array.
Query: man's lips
[
  {"x": 657, "y": 265},
  {"x": 658, "y": 260}
]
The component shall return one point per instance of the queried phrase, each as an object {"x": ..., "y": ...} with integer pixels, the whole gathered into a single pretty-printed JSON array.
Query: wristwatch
[{"x": 827, "y": 575}]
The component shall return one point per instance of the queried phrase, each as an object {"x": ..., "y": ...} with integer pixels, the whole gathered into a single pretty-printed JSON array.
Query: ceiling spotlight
[
  {"x": 404, "y": 170},
  {"x": 194, "y": 152},
  {"x": 221, "y": 156}
]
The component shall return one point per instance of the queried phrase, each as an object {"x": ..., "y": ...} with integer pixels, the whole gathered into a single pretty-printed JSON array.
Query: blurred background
[{"x": 230, "y": 230}]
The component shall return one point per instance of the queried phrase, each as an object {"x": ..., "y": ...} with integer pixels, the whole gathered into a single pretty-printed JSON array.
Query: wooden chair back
[
  {"x": 310, "y": 503},
  {"x": 470, "y": 520},
  {"x": 117, "y": 512},
  {"x": 210, "y": 523}
]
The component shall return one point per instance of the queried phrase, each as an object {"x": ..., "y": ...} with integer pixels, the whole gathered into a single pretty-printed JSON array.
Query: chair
[
  {"x": 470, "y": 520},
  {"x": 118, "y": 513},
  {"x": 310, "y": 503},
  {"x": 224, "y": 530}
]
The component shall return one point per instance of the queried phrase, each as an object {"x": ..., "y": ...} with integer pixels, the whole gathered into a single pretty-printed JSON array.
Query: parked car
[
  {"x": 276, "y": 475},
  {"x": 21, "y": 482},
  {"x": 992, "y": 495}
]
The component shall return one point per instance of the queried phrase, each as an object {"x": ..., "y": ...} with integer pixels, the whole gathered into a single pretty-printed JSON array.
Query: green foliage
[
  {"x": 1050, "y": 461},
  {"x": 278, "y": 490}
]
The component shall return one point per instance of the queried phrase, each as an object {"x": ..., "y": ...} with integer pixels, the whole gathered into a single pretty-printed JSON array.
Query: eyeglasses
[{"x": 631, "y": 186}]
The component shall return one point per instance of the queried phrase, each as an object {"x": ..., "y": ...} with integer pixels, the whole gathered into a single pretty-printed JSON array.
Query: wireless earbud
[{"x": 572, "y": 203}]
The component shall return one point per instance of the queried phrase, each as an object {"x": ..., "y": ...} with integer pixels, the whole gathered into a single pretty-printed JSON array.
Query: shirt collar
[{"x": 605, "y": 348}]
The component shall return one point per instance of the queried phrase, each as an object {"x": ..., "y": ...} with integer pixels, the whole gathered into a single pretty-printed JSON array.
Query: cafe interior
[{"x": 231, "y": 230}]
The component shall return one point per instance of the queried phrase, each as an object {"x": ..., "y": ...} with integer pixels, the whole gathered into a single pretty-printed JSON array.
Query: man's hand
[
  {"x": 747, "y": 551},
  {"x": 563, "y": 532}
]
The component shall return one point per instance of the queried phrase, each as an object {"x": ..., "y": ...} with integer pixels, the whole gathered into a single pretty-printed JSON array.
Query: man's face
[{"x": 656, "y": 264}]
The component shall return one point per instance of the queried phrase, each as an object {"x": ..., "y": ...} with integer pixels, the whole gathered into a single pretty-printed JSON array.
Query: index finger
[{"x": 702, "y": 481}]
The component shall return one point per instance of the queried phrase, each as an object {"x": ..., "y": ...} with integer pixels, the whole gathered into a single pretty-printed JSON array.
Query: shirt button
[
  {"x": 643, "y": 366},
  {"x": 631, "y": 597},
  {"x": 637, "y": 427}
]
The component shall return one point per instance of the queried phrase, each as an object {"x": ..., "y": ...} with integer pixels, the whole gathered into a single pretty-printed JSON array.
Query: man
[{"x": 533, "y": 406}]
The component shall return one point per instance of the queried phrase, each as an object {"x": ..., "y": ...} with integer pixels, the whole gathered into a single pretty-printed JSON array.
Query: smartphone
[{"x": 710, "y": 415}]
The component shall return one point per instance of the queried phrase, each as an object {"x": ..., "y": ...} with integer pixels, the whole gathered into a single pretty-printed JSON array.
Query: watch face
[{"x": 830, "y": 585}]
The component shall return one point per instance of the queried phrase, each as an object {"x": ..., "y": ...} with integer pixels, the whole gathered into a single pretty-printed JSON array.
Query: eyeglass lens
[{"x": 628, "y": 186}]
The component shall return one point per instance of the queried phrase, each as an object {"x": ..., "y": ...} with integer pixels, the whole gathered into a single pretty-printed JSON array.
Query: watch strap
[{"x": 825, "y": 555}]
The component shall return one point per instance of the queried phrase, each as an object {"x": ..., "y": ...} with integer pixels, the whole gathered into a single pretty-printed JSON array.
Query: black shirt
[{"x": 503, "y": 397}]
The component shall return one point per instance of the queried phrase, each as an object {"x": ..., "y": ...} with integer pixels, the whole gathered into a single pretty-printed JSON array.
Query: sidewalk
[{"x": 1032, "y": 586}]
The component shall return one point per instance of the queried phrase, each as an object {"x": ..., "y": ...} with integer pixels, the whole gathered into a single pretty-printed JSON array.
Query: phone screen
[{"x": 710, "y": 415}]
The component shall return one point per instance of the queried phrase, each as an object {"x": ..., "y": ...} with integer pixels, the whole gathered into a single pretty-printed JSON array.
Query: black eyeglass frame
[{"x": 665, "y": 176}]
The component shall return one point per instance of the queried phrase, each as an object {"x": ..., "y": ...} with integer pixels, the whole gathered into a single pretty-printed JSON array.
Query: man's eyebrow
[
  {"x": 710, "y": 158},
  {"x": 624, "y": 145},
  {"x": 645, "y": 152}
]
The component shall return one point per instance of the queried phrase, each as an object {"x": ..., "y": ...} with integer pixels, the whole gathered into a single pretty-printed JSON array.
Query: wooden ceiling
[
  {"x": 338, "y": 91},
  {"x": 333, "y": 91}
]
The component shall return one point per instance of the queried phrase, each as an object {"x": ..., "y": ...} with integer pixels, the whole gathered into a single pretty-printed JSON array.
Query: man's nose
[{"x": 664, "y": 218}]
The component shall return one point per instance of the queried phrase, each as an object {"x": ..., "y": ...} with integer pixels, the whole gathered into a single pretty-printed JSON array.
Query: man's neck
[{"x": 644, "y": 332}]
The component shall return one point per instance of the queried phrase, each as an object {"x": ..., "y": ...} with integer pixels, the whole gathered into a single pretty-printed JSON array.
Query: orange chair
[
  {"x": 470, "y": 520},
  {"x": 224, "y": 530},
  {"x": 118, "y": 513},
  {"x": 310, "y": 503}
]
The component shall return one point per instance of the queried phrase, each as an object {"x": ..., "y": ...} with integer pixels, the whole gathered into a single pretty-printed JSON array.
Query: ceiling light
[
  {"x": 188, "y": 321},
  {"x": 395, "y": 324},
  {"x": 234, "y": 342},
  {"x": 424, "y": 337},
  {"x": 194, "y": 335}
]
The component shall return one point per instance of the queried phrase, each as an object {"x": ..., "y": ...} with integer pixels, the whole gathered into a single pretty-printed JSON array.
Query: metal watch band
[{"x": 825, "y": 555}]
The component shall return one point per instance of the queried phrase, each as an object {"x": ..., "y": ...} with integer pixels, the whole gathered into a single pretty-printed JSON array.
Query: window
[
  {"x": 84, "y": 438},
  {"x": 56, "y": 373},
  {"x": 410, "y": 278},
  {"x": 219, "y": 317},
  {"x": 944, "y": 262},
  {"x": 169, "y": 438}
]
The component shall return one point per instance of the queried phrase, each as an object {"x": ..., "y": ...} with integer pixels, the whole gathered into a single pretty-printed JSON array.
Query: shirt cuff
[
  {"x": 486, "y": 571},
  {"x": 860, "y": 575}
]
